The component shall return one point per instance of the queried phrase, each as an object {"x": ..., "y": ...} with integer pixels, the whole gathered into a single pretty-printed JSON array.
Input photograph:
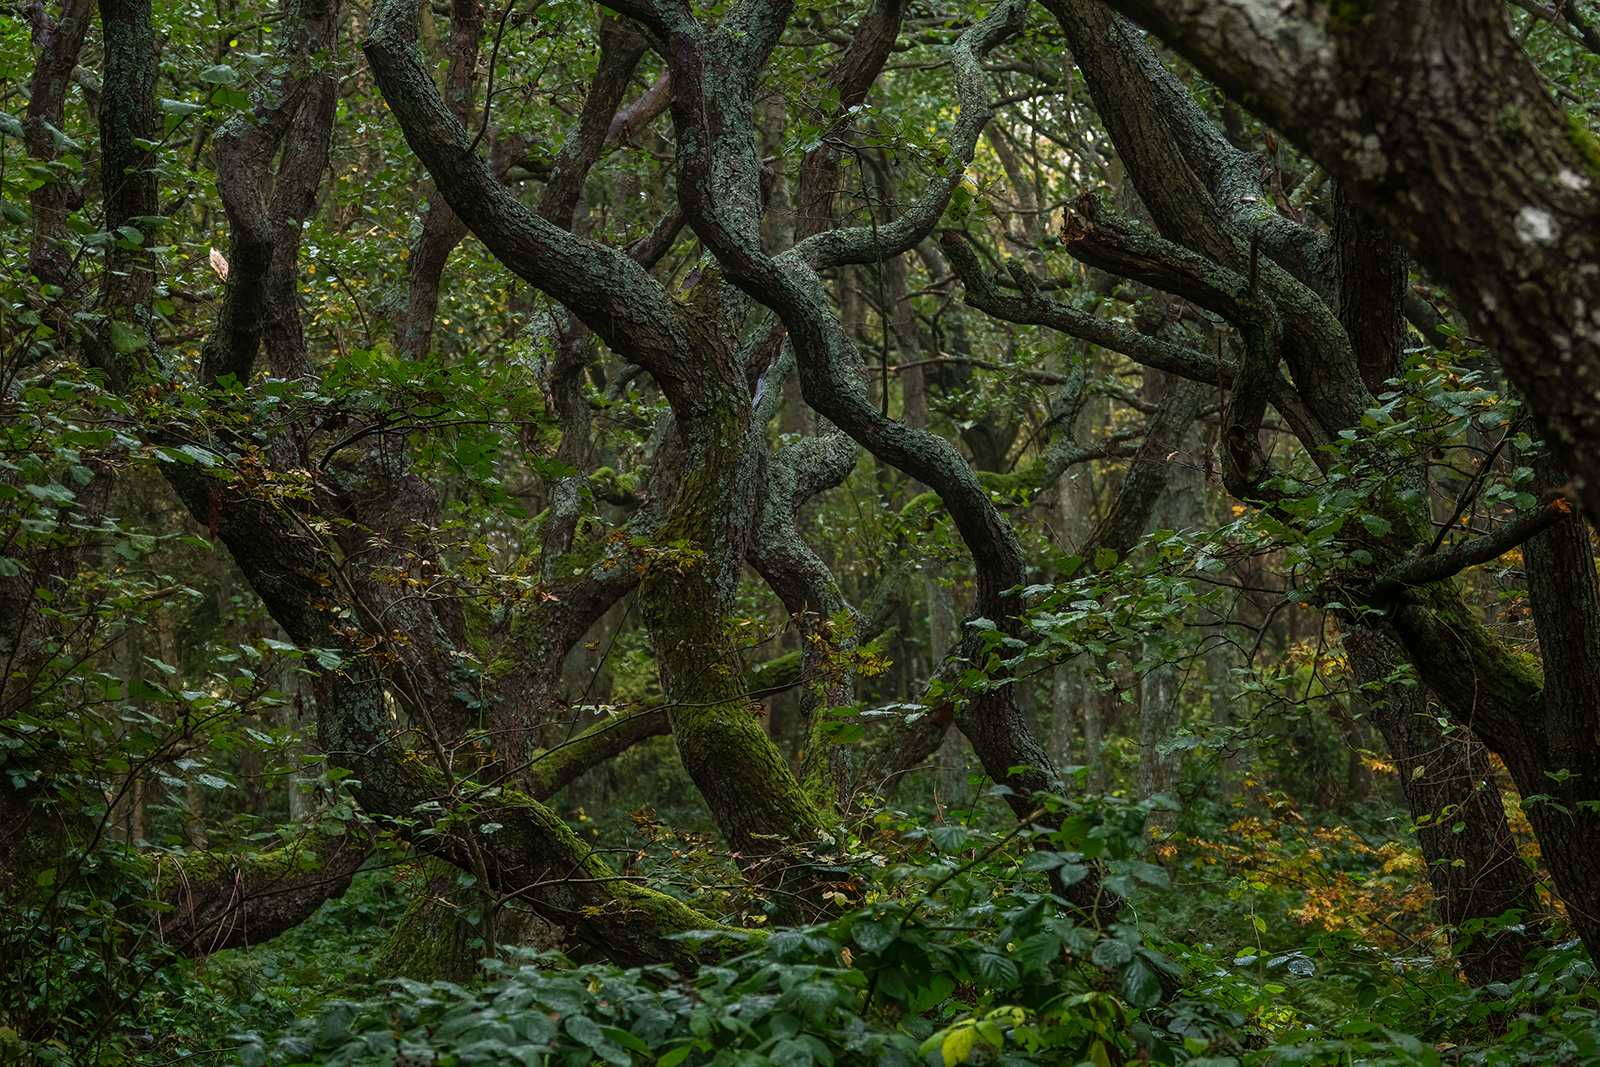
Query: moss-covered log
[{"x": 221, "y": 900}]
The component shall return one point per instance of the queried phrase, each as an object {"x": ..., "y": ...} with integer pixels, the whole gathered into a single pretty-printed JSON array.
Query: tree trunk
[
  {"x": 1477, "y": 875},
  {"x": 1160, "y": 716}
]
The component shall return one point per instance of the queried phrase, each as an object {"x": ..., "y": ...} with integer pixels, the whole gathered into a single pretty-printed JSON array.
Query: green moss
[
  {"x": 276, "y": 865},
  {"x": 1017, "y": 484},
  {"x": 1345, "y": 16},
  {"x": 612, "y": 487},
  {"x": 1583, "y": 142},
  {"x": 1512, "y": 679},
  {"x": 774, "y": 674},
  {"x": 432, "y": 941},
  {"x": 479, "y": 622},
  {"x": 920, "y": 506}
]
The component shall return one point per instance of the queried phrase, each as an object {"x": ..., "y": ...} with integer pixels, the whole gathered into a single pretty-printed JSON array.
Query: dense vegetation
[{"x": 864, "y": 534}]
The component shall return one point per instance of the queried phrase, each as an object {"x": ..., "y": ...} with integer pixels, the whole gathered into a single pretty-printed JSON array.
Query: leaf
[
  {"x": 179, "y": 107},
  {"x": 1037, "y": 952},
  {"x": 957, "y": 1045},
  {"x": 1042, "y": 861},
  {"x": 1112, "y": 953},
  {"x": 1140, "y": 987},
  {"x": 1376, "y": 525},
  {"x": 791, "y": 1053},
  {"x": 998, "y": 969},
  {"x": 931, "y": 995},
  {"x": 1105, "y": 559},
  {"x": 625, "y": 1039},
  {"x": 588, "y": 1033},
  {"x": 200, "y": 455},
  {"x": 221, "y": 74},
  {"x": 1148, "y": 873},
  {"x": 675, "y": 1056},
  {"x": 139, "y": 689},
  {"x": 127, "y": 339},
  {"x": 876, "y": 935},
  {"x": 949, "y": 838}
]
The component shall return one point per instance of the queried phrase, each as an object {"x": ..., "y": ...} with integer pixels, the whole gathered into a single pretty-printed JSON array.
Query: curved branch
[
  {"x": 1457, "y": 558},
  {"x": 615, "y": 296},
  {"x": 1405, "y": 102}
]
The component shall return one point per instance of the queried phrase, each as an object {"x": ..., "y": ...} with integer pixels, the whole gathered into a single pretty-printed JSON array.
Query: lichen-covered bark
[
  {"x": 49, "y": 257},
  {"x": 690, "y": 581},
  {"x": 266, "y": 206},
  {"x": 128, "y": 131},
  {"x": 1558, "y": 754},
  {"x": 1436, "y": 123},
  {"x": 1330, "y": 309}
]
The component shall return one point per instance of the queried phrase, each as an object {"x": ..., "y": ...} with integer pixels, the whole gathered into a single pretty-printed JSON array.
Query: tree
[{"x": 362, "y": 489}]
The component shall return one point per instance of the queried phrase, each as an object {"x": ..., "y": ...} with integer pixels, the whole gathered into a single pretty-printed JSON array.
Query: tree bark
[{"x": 1477, "y": 875}]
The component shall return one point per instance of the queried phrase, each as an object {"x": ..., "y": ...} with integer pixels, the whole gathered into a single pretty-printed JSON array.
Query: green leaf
[
  {"x": 1112, "y": 953},
  {"x": 1105, "y": 558},
  {"x": 625, "y": 1039},
  {"x": 127, "y": 339},
  {"x": 587, "y": 1032},
  {"x": 998, "y": 969},
  {"x": 791, "y": 1053},
  {"x": 675, "y": 1056},
  {"x": 221, "y": 74},
  {"x": 1140, "y": 987},
  {"x": 1376, "y": 525},
  {"x": 876, "y": 935},
  {"x": 1037, "y": 952}
]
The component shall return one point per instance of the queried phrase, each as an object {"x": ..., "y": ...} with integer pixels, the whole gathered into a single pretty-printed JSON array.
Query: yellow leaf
[{"x": 958, "y": 1043}]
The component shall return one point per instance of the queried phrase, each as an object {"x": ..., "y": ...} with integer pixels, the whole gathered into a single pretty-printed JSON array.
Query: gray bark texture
[{"x": 1437, "y": 125}]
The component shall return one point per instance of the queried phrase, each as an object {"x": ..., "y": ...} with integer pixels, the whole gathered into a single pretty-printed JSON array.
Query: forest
[{"x": 765, "y": 533}]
